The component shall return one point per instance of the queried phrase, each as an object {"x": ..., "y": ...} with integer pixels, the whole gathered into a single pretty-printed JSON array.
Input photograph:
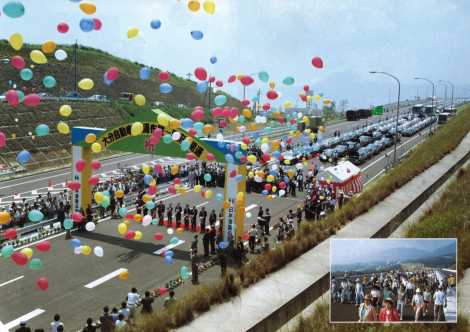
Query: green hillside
[{"x": 93, "y": 63}]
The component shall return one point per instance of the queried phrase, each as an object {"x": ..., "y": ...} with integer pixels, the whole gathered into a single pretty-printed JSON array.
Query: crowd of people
[{"x": 383, "y": 297}]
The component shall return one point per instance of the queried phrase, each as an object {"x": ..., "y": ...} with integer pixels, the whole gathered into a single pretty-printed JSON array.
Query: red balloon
[
  {"x": 172, "y": 189},
  {"x": 94, "y": 180},
  {"x": 246, "y": 80},
  {"x": 77, "y": 217},
  {"x": 10, "y": 234},
  {"x": 246, "y": 140},
  {"x": 210, "y": 156},
  {"x": 63, "y": 27},
  {"x": 219, "y": 83},
  {"x": 197, "y": 114},
  {"x": 80, "y": 165},
  {"x": 272, "y": 94},
  {"x": 217, "y": 111},
  {"x": 303, "y": 97},
  {"x": 200, "y": 73},
  {"x": 232, "y": 78},
  {"x": 282, "y": 185},
  {"x": 73, "y": 185},
  {"x": 162, "y": 290},
  {"x": 306, "y": 88},
  {"x": 32, "y": 100},
  {"x": 266, "y": 107},
  {"x": 43, "y": 283},
  {"x": 243, "y": 159},
  {"x": 211, "y": 79},
  {"x": 192, "y": 132},
  {"x": 163, "y": 76},
  {"x": 234, "y": 112},
  {"x": 18, "y": 62},
  {"x": 317, "y": 62},
  {"x": 95, "y": 165},
  {"x": 112, "y": 73},
  {"x": 158, "y": 236},
  {"x": 268, "y": 186},
  {"x": 19, "y": 258},
  {"x": 233, "y": 173},
  {"x": 98, "y": 24},
  {"x": 129, "y": 235},
  {"x": 43, "y": 246},
  {"x": 177, "y": 181},
  {"x": 190, "y": 156},
  {"x": 245, "y": 102},
  {"x": 266, "y": 157}
]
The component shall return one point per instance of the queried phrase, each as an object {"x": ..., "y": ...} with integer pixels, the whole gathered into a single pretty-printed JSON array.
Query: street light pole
[
  {"x": 398, "y": 111},
  {"x": 432, "y": 97},
  {"x": 453, "y": 87}
]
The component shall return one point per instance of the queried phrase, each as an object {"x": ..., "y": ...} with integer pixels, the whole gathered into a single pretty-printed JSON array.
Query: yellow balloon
[
  {"x": 226, "y": 204},
  {"x": 139, "y": 100},
  {"x": 122, "y": 228},
  {"x": 288, "y": 104},
  {"x": 146, "y": 169},
  {"x": 86, "y": 84},
  {"x": 138, "y": 217},
  {"x": 247, "y": 113},
  {"x": 138, "y": 235},
  {"x": 65, "y": 110},
  {"x": 88, "y": 8},
  {"x": 309, "y": 98},
  {"x": 163, "y": 119},
  {"x": 209, "y": 7},
  {"x": 124, "y": 275},
  {"x": 264, "y": 140},
  {"x": 180, "y": 231},
  {"x": 132, "y": 32},
  {"x": 174, "y": 169},
  {"x": 274, "y": 189},
  {"x": 208, "y": 194},
  {"x": 48, "y": 47},
  {"x": 326, "y": 101},
  {"x": 96, "y": 147},
  {"x": 4, "y": 218},
  {"x": 317, "y": 98},
  {"x": 38, "y": 57},
  {"x": 86, "y": 250},
  {"x": 137, "y": 128},
  {"x": 90, "y": 138},
  {"x": 99, "y": 197},
  {"x": 63, "y": 128},
  {"x": 146, "y": 198},
  {"x": 207, "y": 129},
  {"x": 251, "y": 158},
  {"x": 272, "y": 84},
  {"x": 16, "y": 41},
  {"x": 240, "y": 195},
  {"x": 243, "y": 146},
  {"x": 175, "y": 123},
  {"x": 119, "y": 194},
  {"x": 194, "y": 5},
  {"x": 28, "y": 252},
  {"x": 197, "y": 188},
  {"x": 270, "y": 178},
  {"x": 251, "y": 174},
  {"x": 287, "y": 162}
]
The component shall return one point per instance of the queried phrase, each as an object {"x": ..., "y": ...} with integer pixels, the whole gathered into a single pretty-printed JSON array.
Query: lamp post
[
  {"x": 453, "y": 87},
  {"x": 398, "y": 111},
  {"x": 432, "y": 97}
]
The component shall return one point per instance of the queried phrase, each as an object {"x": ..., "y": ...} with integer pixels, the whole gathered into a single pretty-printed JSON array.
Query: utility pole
[
  {"x": 75, "y": 71},
  {"x": 188, "y": 75}
]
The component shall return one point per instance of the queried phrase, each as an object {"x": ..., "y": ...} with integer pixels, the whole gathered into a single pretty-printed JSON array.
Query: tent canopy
[{"x": 340, "y": 173}]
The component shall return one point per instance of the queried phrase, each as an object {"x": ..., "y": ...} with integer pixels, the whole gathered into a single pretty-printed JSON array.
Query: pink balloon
[
  {"x": 73, "y": 185},
  {"x": 63, "y": 27},
  {"x": 266, "y": 107},
  {"x": 219, "y": 83},
  {"x": 152, "y": 190},
  {"x": 32, "y": 100},
  {"x": 77, "y": 217},
  {"x": 112, "y": 73},
  {"x": 43, "y": 246},
  {"x": 306, "y": 88},
  {"x": 80, "y": 165},
  {"x": 245, "y": 102},
  {"x": 158, "y": 132},
  {"x": 234, "y": 112},
  {"x": 12, "y": 98},
  {"x": 172, "y": 189},
  {"x": 317, "y": 62},
  {"x": 200, "y": 73},
  {"x": 246, "y": 80},
  {"x": 164, "y": 76},
  {"x": 192, "y": 132},
  {"x": 10, "y": 234},
  {"x": 217, "y": 111},
  {"x": 154, "y": 140},
  {"x": 98, "y": 24},
  {"x": 158, "y": 169},
  {"x": 190, "y": 156},
  {"x": 222, "y": 124},
  {"x": 197, "y": 115},
  {"x": 272, "y": 95},
  {"x": 232, "y": 78},
  {"x": 95, "y": 165},
  {"x": 43, "y": 283},
  {"x": 18, "y": 62},
  {"x": 158, "y": 236},
  {"x": 211, "y": 79},
  {"x": 94, "y": 180},
  {"x": 3, "y": 139},
  {"x": 19, "y": 258},
  {"x": 210, "y": 156}
]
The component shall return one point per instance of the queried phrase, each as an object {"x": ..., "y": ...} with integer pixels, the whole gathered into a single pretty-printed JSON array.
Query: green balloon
[
  {"x": 7, "y": 251},
  {"x": 263, "y": 76},
  {"x": 105, "y": 203},
  {"x": 26, "y": 74},
  {"x": 167, "y": 139},
  {"x": 49, "y": 82},
  {"x": 35, "y": 264},
  {"x": 68, "y": 224},
  {"x": 288, "y": 81}
]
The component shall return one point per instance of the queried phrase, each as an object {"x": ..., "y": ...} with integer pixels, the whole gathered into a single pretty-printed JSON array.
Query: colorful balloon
[
  {"x": 43, "y": 283},
  {"x": 155, "y": 24},
  {"x": 145, "y": 73},
  {"x": 88, "y": 8},
  {"x": 13, "y": 9},
  {"x": 288, "y": 80},
  {"x": 163, "y": 76},
  {"x": 200, "y": 73},
  {"x": 60, "y": 55},
  {"x": 16, "y": 41},
  {"x": 23, "y": 157},
  {"x": 213, "y": 60},
  {"x": 63, "y": 128},
  {"x": 263, "y": 76},
  {"x": 87, "y": 24},
  {"x": 133, "y": 32},
  {"x": 42, "y": 130},
  {"x": 209, "y": 7},
  {"x": 65, "y": 111},
  {"x": 63, "y": 27},
  {"x": 48, "y": 47},
  {"x": 18, "y": 62},
  {"x": 98, "y": 24},
  {"x": 38, "y": 57},
  {"x": 26, "y": 74},
  {"x": 19, "y": 258},
  {"x": 49, "y": 81},
  {"x": 220, "y": 100},
  {"x": 194, "y": 5},
  {"x": 86, "y": 84},
  {"x": 317, "y": 62},
  {"x": 197, "y": 35},
  {"x": 166, "y": 88}
]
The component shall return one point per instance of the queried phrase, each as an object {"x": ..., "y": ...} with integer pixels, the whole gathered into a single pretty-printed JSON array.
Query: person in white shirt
[
  {"x": 133, "y": 298},
  {"x": 56, "y": 323},
  {"x": 359, "y": 292},
  {"x": 125, "y": 311},
  {"x": 418, "y": 304},
  {"x": 440, "y": 302},
  {"x": 120, "y": 323},
  {"x": 427, "y": 296}
]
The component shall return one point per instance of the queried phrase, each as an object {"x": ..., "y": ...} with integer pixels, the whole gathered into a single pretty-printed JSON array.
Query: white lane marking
[
  {"x": 250, "y": 207},
  {"x": 102, "y": 280},
  {"x": 168, "y": 247},
  {"x": 2, "y": 327},
  {"x": 202, "y": 204},
  {"x": 11, "y": 281},
  {"x": 31, "y": 315}
]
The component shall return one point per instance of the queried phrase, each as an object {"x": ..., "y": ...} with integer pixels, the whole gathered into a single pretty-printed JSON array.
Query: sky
[
  {"x": 403, "y": 37},
  {"x": 355, "y": 251}
]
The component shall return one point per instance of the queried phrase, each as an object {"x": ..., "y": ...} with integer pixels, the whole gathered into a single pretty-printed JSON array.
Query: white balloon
[
  {"x": 77, "y": 250},
  {"x": 299, "y": 166},
  {"x": 176, "y": 136},
  {"x": 169, "y": 231},
  {"x": 90, "y": 226},
  {"x": 98, "y": 251},
  {"x": 248, "y": 214},
  {"x": 242, "y": 129},
  {"x": 60, "y": 55},
  {"x": 219, "y": 136},
  {"x": 258, "y": 179},
  {"x": 147, "y": 220},
  {"x": 265, "y": 147},
  {"x": 282, "y": 192}
]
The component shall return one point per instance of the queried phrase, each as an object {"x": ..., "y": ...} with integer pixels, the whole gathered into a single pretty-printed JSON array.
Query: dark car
[{"x": 329, "y": 155}]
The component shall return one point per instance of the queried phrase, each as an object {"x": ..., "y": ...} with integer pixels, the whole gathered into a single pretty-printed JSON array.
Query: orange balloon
[{"x": 48, "y": 47}]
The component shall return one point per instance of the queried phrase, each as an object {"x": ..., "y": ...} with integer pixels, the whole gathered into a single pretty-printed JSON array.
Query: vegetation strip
[{"x": 444, "y": 140}]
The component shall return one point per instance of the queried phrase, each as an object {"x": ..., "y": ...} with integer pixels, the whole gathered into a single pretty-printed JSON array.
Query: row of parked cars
[{"x": 362, "y": 144}]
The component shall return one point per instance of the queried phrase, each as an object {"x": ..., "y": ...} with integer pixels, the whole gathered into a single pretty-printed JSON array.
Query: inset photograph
[{"x": 393, "y": 280}]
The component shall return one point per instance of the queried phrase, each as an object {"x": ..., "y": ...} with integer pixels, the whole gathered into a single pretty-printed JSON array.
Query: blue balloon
[
  {"x": 26, "y": 74},
  {"x": 155, "y": 24},
  {"x": 219, "y": 197},
  {"x": 68, "y": 224},
  {"x": 168, "y": 260},
  {"x": 170, "y": 253},
  {"x": 239, "y": 177},
  {"x": 13, "y": 9},
  {"x": 220, "y": 100},
  {"x": 42, "y": 130},
  {"x": 122, "y": 212},
  {"x": 229, "y": 158},
  {"x": 201, "y": 87},
  {"x": 150, "y": 205},
  {"x": 23, "y": 157},
  {"x": 145, "y": 73},
  {"x": 35, "y": 215},
  {"x": 213, "y": 59},
  {"x": 223, "y": 245},
  {"x": 197, "y": 35},
  {"x": 186, "y": 123},
  {"x": 106, "y": 81},
  {"x": 207, "y": 177},
  {"x": 185, "y": 145},
  {"x": 198, "y": 126},
  {"x": 166, "y": 88},
  {"x": 74, "y": 243},
  {"x": 147, "y": 179},
  {"x": 87, "y": 24},
  {"x": 49, "y": 81}
]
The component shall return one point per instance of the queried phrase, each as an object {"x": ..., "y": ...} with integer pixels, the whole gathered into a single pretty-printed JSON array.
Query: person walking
[
  {"x": 169, "y": 215},
  {"x": 194, "y": 270},
  {"x": 206, "y": 242},
  {"x": 161, "y": 212},
  {"x": 401, "y": 298},
  {"x": 252, "y": 238},
  {"x": 427, "y": 297},
  {"x": 106, "y": 321},
  {"x": 359, "y": 292},
  {"x": 212, "y": 218},
  {"x": 367, "y": 312},
  {"x": 147, "y": 303},
  {"x": 417, "y": 303},
  {"x": 202, "y": 219},
  {"x": 170, "y": 300},
  {"x": 133, "y": 299},
  {"x": 267, "y": 221},
  {"x": 56, "y": 323},
  {"x": 194, "y": 244},
  {"x": 388, "y": 313},
  {"x": 440, "y": 302}
]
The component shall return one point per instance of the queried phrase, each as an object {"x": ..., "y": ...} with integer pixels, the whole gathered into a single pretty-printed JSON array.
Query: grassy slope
[{"x": 92, "y": 63}]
